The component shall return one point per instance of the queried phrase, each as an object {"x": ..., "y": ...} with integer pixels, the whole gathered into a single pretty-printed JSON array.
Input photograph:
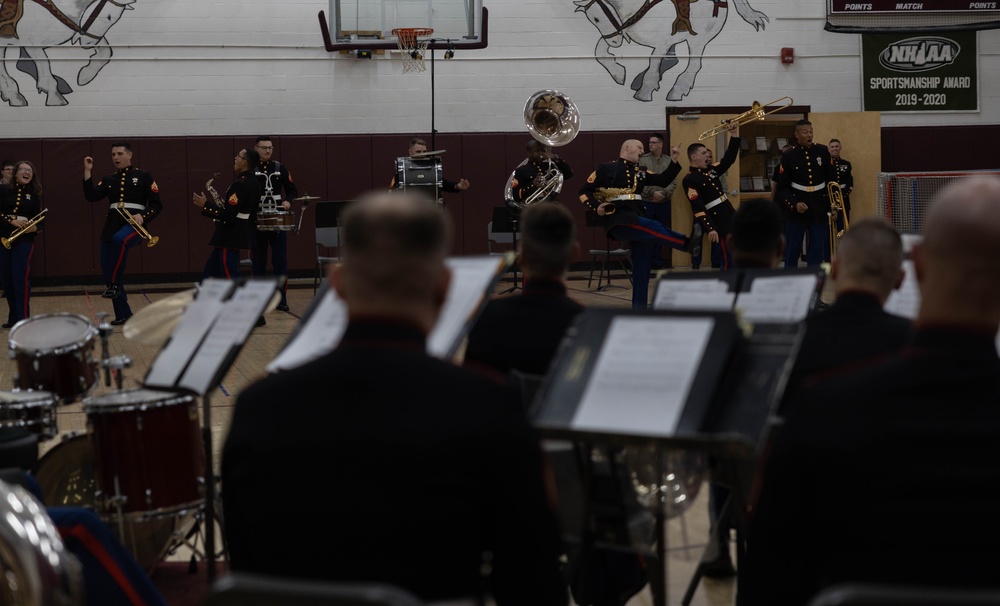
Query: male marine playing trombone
[{"x": 139, "y": 194}]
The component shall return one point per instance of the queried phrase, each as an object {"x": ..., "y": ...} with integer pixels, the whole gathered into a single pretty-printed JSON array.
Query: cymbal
[
  {"x": 153, "y": 324},
  {"x": 305, "y": 199},
  {"x": 428, "y": 154}
]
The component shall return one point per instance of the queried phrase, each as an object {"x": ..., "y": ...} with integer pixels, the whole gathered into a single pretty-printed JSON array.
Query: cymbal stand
[
  {"x": 302, "y": 214},
  {"x": 109, "y": 362},
  {"x": 206, "y": 433}
]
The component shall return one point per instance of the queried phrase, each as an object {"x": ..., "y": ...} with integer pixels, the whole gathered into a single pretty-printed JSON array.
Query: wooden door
[{"x": 860, "y": 135}]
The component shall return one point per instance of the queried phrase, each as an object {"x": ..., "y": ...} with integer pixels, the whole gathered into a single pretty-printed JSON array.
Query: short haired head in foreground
[
  {"x": 394, "y": 247},
  {"x": 757, "y": 234},
  {"x": 956, "y": 263},
  {"x": 869, "y": 258},
  {"x": 548, "y": 240}
]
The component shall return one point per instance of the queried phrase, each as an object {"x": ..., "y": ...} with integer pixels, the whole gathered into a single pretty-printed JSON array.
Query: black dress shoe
[
  {"x": 8, "y": 324},
  {"x": 282, "y": 306},
  {"x": 112, "y": 292},
  {"x": 694, "y": 242},
  {"x": 261, "y": 322},
  {"x": 120, "y": 321}
]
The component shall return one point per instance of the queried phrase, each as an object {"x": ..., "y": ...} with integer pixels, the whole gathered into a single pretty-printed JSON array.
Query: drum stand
[{"x": 109, "y": 362}]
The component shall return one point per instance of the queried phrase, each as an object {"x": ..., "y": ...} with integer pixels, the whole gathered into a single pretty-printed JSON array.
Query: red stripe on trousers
[
  {"x": 27, "y": 279},
  {"x": 657, "y": 234},
  {"x": 121, "y": 255},
  {"x": 94, "y": 547}
]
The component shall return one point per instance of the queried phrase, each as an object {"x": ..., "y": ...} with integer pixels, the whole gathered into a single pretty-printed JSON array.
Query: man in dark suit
[
  {"x": 865, "y": 271},
  {"x": 891, "y": 474},
  {"x": 232, "y": 218},
  {"x": 427, "y": 466},
  {"x": 523, "y": 331}
]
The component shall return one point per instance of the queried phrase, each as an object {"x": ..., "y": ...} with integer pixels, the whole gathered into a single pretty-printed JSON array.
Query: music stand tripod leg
[{"x": 513, "y": 223}]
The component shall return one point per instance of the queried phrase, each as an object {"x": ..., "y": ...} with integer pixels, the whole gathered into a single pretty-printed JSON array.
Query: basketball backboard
[{"x": 368, "y": 24}]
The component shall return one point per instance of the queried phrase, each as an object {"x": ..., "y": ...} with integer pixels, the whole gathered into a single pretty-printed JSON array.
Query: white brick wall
[{"x": 239, "y": 66}]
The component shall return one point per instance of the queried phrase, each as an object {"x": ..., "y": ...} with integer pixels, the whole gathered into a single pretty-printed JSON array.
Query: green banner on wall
[{"x": 920, "y": 73}]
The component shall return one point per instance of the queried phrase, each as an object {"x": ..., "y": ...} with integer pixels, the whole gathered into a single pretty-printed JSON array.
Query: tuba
[{"x": 552, "y": 119}]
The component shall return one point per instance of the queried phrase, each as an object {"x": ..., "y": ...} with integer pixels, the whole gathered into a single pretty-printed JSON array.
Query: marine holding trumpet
[
  {"x": 134, "y": 202},
  {"x": 21, "y": 208},
  {"x": 539, "y": 174},
  {"x": 614, "y": 192}
]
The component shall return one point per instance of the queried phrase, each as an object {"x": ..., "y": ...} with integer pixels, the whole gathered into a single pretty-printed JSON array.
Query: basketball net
[{"x": 412, "y": 49}]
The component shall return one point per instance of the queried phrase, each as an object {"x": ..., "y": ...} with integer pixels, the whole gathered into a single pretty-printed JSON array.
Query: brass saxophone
[
  {"x": 212, "y": 192},
  {"x": 18, "y": 232}
]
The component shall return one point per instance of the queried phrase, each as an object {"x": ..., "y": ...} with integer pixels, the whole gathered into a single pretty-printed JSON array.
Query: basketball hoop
[{"x": 413, "y": 50}]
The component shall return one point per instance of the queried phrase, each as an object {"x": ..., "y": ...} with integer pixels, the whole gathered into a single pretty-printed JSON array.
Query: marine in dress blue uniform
[
  {"x": 137, "y": 190},
  {"x": 19, "y": 203},
  {"x": 845, "y": 177},
  {"x": 805, "y": 170},
  {"x": 274, "y": 178},
  {"x": 613, "y": 191},
  {"x": 709, "y": 202},
  {"x": 530, "y": 175},
  {"x": 232, "y": 218}
]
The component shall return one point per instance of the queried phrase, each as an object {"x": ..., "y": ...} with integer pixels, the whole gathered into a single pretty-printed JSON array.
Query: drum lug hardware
[
  {"x": 36, "y": 364},
  {"x": 138, "y": 422},
  {"x": 149, "y": 498}
]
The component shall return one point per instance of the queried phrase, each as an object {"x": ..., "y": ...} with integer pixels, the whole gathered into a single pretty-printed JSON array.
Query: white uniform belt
[
  {"x": 242, "y": 215},
  {"x": 625, "y": 197},
  {"x": 132, "y": 205},
  {"x": 716, "y": 202},
  {"x": 20, "y": 218},
  {"x": 809, "y": 188}
]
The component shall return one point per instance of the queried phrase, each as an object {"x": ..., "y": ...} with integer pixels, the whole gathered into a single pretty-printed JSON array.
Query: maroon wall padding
[{"x": 342, "y": 167}]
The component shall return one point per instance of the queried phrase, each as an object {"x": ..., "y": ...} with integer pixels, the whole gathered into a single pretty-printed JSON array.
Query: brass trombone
[
  {"x": 756, "y": 112},
  {"x": 139, "y": 229},
  {"x": 836, "y": 206},
  {"x": 19, "y": 232}
]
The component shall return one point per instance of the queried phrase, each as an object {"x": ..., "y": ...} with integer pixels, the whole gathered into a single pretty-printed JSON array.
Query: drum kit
[
  {"x": 421, "y": 172},
  {"x": 141, "y": 463}
]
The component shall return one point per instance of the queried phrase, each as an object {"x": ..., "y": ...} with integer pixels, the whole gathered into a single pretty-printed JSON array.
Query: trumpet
[
  {"x": 756, "y": 112},
  {"x": 139, "y": 229},
  {"x": 18, "y": 232},
  {"x": 836, "y": 206}
]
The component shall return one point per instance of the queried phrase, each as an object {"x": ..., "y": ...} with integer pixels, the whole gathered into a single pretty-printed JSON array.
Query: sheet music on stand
[
  {"x": 209, "y": 335},
  {"x": 323, "y": 325},
  {"x": 759, "y": 295}
]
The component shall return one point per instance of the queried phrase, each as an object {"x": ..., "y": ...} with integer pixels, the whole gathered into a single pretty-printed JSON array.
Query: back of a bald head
[
  {"x": 869, "y": 256},
  {"x": 961, "y": 245},
  {"x": 394, "y": 246}
]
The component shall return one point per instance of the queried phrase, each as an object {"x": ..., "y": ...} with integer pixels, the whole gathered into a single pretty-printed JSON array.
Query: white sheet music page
[
  {"x": 184, "y": 341},
  {"x": 214, "y": 289},
  {"x": 231, "y": 329},
  {"x": 777, "y": 299},
  {"x": 701, "y": 295},
  {"x": 470, "y": 277},
  {"x": 643, "y": 375},
  {"x": 322, "y": 331},
  {"x": 905, "y": 300}
]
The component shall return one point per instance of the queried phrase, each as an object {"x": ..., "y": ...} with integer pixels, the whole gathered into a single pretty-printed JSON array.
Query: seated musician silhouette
[
  {"x": 522, "y": 332},
  {"x": 890, "y": 473},
  {"x": 428, "y": 466}
]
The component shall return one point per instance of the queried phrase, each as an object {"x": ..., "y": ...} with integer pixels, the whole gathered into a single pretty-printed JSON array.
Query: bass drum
[{"x": 67, "y": 477}]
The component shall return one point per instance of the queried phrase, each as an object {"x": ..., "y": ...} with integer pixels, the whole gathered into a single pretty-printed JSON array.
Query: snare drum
[
  {"x": 148, "y": 451},
  {"x": 420, "y": 174},
  {"x": 279, "y": 220},
  {"x": 55, "y": 353},
  {"x": 30, "y": 410}
]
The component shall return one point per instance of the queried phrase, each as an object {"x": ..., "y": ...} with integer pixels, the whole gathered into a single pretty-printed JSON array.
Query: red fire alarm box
[{"x": 788, "y": 55}]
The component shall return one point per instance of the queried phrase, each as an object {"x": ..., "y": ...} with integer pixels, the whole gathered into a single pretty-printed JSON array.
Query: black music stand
[
  {"x": 733, "y": 390},
  {"x": 506, "y": 221}
]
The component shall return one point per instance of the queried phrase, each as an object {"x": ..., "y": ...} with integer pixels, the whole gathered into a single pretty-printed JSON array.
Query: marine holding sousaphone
[
  {"x": 553, "y": 120},
  {"x": 20, "y": 200}
]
